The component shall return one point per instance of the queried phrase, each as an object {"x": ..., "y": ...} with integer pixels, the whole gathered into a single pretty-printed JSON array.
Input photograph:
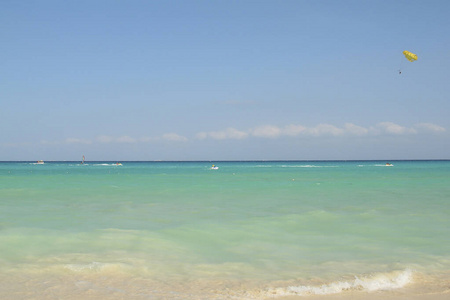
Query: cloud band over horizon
[
  {"x": 273, "y": 132},
  {"x": 321, "y": 130}
]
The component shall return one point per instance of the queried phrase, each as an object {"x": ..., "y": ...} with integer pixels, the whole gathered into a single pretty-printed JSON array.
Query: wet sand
[{"x": 424, "y": 293}]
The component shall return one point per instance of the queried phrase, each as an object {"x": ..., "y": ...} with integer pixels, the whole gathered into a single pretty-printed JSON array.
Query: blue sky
[{"x": 224, "y": 80}]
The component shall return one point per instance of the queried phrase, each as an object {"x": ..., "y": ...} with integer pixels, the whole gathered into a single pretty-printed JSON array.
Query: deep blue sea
[{"x": 247, "y": 230}]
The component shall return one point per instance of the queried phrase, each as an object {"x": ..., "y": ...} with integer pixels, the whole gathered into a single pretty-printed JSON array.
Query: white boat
[
  {"x": 214, "y": 167},
  {"x": 40, "y": 162}
]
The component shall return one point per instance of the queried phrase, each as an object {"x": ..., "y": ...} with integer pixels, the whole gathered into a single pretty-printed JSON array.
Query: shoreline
[{"x": 100, "y": 286}]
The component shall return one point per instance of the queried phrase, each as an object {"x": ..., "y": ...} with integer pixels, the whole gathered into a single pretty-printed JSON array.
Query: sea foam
[{"x": 377, "y": 282}]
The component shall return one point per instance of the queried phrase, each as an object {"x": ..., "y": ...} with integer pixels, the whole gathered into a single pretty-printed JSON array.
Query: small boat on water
[
  {"x": 389, "y": 165},
  {"x": 214, "y": 167},
  {"x": 40, "y": 162}
]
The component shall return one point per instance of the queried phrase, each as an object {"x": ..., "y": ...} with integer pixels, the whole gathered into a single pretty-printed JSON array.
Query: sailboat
[{"x": 82, "y": 162}]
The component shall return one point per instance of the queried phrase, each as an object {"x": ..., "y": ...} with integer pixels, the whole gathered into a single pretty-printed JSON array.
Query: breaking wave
[{"x": 378, "y": 282}]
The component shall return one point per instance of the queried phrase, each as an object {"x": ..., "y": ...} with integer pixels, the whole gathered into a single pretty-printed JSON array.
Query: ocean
[{"x": 247, "y": 230}]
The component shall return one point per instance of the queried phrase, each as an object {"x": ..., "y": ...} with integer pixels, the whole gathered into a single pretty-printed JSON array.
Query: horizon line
[{"x": 233, "y": 160}]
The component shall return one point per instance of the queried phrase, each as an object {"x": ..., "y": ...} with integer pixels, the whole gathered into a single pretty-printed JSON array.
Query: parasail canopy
[{"x": 410, "y": 56}]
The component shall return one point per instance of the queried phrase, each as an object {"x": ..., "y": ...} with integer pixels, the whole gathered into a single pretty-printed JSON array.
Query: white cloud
[
  {"x": 272, "y": 132},
  {"x": 430, "y": 127},
  {"x": 392, "y": 128},
  {"x": 355, "y": 129},
  {"x": 174, "y": 137},
  {"x": 229, "y": 133},
  {"x": 293, "y": 130},
  {"x": 125, "y": 139},
  {"x": 325, "y": 129},
  {"x": 130, "y": 140},
  {"x": 77, "y": 141},
  {"x": 147, "y": 139},
  {"x": 267, "y": 131},
  {"x": 349, "y": 129}
]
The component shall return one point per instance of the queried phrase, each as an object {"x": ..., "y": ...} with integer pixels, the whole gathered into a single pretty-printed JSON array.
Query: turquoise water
[{"x": 273, "y": 225}]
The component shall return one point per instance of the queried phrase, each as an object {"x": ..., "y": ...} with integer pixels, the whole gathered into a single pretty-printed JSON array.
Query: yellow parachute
[{"x": 410, "y": 56}]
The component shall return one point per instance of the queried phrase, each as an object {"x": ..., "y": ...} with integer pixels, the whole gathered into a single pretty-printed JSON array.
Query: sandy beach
[{"x": 70, "y": 287}]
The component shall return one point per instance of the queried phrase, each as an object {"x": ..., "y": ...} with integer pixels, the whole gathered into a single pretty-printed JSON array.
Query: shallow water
[{"x": 249, "y": 229}]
